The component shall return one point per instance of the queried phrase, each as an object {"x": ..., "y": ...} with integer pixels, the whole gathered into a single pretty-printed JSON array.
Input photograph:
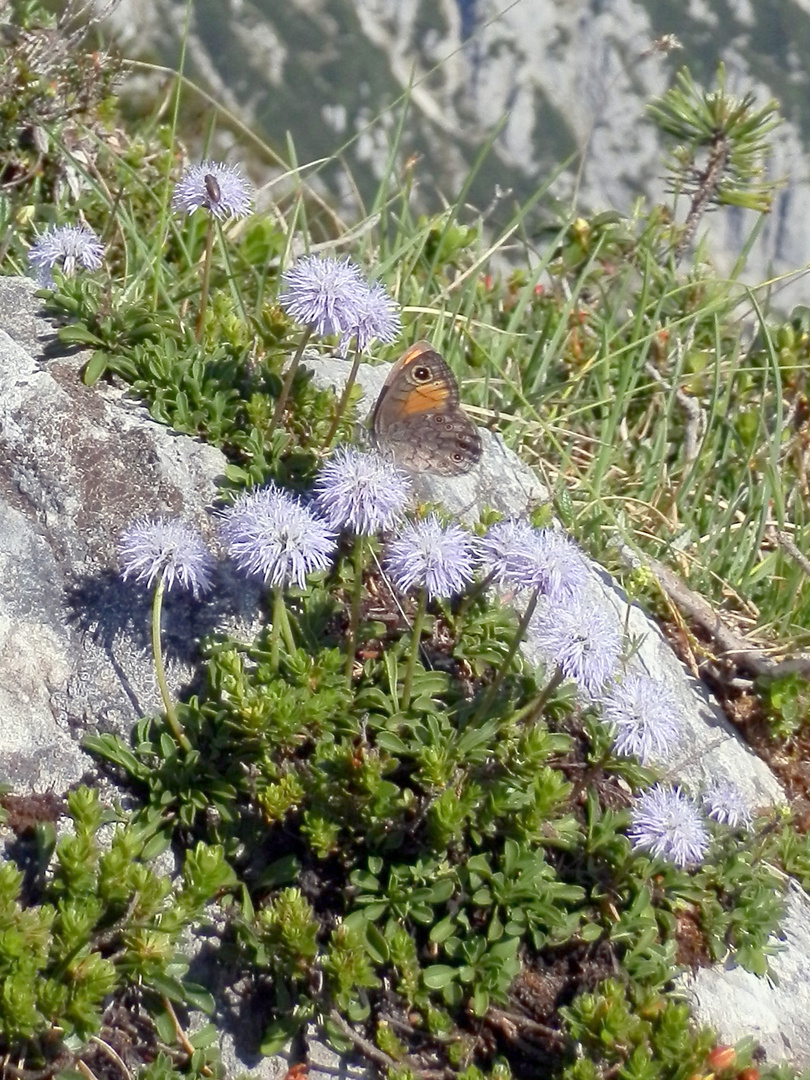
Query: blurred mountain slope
[{"x": 566, "y": 77}]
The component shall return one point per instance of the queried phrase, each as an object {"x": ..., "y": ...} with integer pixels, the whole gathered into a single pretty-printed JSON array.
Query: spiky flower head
[
  {"x": 377, "y": 318},
  {"x": 505, "y": 547},
  {"x": 149, "y": 549},
  {"x": 271, "y": 534},
  {"x": 725, "y": 804},
  {"x": 325, "y": 293},
  {"x": 431, "y": 556},
  {"x": 68, "y": 244},
  {"x": 581, "y": 637},
  {"x": 645, "y": 717},
  {"x": 549, "y": 561},
  {"x": 667, "y": 823},
  {"x": 363, "y": 492},
  {"x": 220, "y": 189}
]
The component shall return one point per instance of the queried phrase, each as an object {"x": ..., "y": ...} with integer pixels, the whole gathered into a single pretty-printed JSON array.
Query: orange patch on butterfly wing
[
  {"x": 417, "y": 350},
  {"x": 432, "y": 397}
]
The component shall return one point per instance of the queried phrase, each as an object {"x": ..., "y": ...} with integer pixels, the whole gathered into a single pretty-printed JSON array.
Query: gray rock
[{"x": 79, "y": 465}]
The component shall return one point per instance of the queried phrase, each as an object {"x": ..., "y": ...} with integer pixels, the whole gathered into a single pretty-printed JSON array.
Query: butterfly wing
[{"x": 418, "y": 419}]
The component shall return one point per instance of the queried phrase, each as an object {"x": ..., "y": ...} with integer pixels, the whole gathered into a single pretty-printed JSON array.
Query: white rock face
[{"x": 77, "y": 466}]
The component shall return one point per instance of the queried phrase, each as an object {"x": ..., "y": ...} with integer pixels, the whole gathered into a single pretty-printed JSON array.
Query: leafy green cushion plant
[{"x": 87, "y": 922}]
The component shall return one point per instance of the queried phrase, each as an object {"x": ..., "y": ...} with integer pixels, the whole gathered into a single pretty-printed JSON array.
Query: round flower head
[
  {"x": 151, "y": 548},
  {"x": 668, "y": 824},
  {"x": 431, "y": 556},
  {"x": 362, "y": 492},
  {"x": 270, "y": 534},
  {"x": 70, "y": 244},
  {"x": 725, "y": 804},
  {"x": 645, "y": 717},
  {"x": 553, "y": 564},
  {"x": 220, "y": 189},
  {"x": 507, "y": 545},
  {"x": 325, "y": 293},
  {"x": 580, "y": 637},
  {"x": 377, "y": 319}
]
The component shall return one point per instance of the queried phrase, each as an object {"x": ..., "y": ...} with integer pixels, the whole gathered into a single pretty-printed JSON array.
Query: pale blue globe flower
[
  {"x": 725, "y": 804},
  {"x": 362, "y": 492},
  {"x": 66, "y": 244},
  {"x": 221, "y": 189},
  {"x": 545, "y": 560},
  {"x": 149, "y": 549},
  {"x": 581, "y": 638},
  {"x": 431, "y": 556},
  {"x": 553, "y": 565},
  {"x": 645, "y": 717},
  {"x": 505, "y": 547},
  {"x": 377, "y": 319},
  {"x": 325, "y": 293},
  {"x": 666, "y": 823},
  {"x": 271, "y": 534}
]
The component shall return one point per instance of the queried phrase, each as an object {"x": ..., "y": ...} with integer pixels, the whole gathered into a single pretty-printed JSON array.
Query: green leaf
[
  {"x": 95, "y": 367},
  {"x": 206, "y": 1036},
  {"x": 443, "y": 929},
  {"x": 156, "y": 844},
  {"x": 164, "y": 1026},
  {"x": 437, "y": 976},
  {"x": 199, "y": 997},
  {"x": 77, "y": 334},
  {"x": 480, "y": 1001},
  {"x": 113, "y": 749},
  {"x": 441, "y": 890},
  {"x": 336, "y": 1037},
  {"x": 377, "y": 945},
  {"x": 590, "y": 931},
  {"x": 392, "y": 743},
  {"x": 280, "y": 872},
  {"x": 279, "y": 1033},
  {"x": 168, "y": 986}
]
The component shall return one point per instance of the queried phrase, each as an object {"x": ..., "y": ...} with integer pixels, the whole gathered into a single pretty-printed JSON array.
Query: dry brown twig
[
  {"x": 379, "y": 1057},
  {"x": 734, "y": 645},
  {"x": 788, "y": 544}
]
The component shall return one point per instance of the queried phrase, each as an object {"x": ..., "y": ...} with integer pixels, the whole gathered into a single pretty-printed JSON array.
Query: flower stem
[
  {"x": 469, "y": 599},
  {"x": 497, "y": 682},
  {"x": 160, "y": 671},
  {"x": 418, "y": 622},
  {"x": 531, "y": 713},
  {"x": 206, "y": 279},
  {"x": 281, "y": 625},
  {"x": 354, "y": 613},
  {"x": 288, "y": 380},
  {"x": 344, "y": 400}
]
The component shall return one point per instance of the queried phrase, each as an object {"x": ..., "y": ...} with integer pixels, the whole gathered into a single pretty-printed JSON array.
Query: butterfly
[{"x": 418, "y": 419}]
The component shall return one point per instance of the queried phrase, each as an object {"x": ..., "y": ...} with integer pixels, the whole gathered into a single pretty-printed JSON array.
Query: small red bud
[{"x": 721, "y": 1058}]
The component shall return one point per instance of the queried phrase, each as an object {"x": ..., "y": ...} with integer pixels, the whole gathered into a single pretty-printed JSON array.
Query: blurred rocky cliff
[{"x": 567, "y": 80}]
